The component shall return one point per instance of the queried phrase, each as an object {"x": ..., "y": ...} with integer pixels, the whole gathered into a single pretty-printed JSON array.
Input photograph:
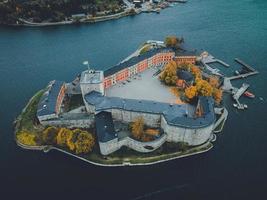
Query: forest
[{"x": 54, "y": 11}]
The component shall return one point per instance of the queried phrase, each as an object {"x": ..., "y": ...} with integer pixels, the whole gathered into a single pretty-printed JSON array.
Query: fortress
[{"x": 117, "y": 96}]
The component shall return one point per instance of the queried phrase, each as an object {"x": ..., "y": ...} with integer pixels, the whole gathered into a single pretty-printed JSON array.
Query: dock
[
  {"x": 237, "y": 94},
  {"x": 245, "y": 65},
  {"x": 250, "y": 70},
  {"x": 211, "y": 59}
]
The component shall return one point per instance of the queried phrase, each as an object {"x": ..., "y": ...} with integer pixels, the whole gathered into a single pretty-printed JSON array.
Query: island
[
  {"x": 62, "y": 12},
  {"x": 160, "y": 103}
]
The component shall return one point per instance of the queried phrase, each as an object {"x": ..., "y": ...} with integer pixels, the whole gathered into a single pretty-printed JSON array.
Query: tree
[
  {"x": 63, "y": 136},
  {"x": 217, "y": 95},
  {"x": 27, "y": 138},
  {"x": 204, "y": 88},
  {"x": 173, "y": 42},
  {"x": 84, "y": 143},
  {"x": 138, "y": 128},
  {"x": 191, "y": 92},
  {"x": 49, "y": 135},
  {"x": 214, "y": 81},
  {"x": 168, "y": 75},
  {"x": 196, "y": 72}
]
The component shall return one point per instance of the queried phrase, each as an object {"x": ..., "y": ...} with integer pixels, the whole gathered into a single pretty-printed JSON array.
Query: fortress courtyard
[{"x": 144, "y": 86}]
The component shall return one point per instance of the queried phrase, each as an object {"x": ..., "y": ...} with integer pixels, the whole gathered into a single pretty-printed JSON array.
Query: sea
[{"x": 236, "y": 168}]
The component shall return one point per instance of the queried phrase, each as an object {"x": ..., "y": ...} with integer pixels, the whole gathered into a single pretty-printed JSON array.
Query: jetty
[
  {"x": 237, "y": 94},
  {"x": 249, "y": 71},
  {"x": 208, "y": 59}
]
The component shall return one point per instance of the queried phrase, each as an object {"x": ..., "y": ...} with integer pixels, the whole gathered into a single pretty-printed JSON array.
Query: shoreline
[
  {"x": 208, "y": 145},
  {"x": 72, "y": 22},
  {"x": 88, "y": 19},
  {"x": 121, "y": 161}
]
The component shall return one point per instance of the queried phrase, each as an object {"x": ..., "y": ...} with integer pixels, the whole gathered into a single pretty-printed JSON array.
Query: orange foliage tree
[
  {"x": 214, "y": 81},
  {"x": 204, "y": 88},
  {"x": 191, "y": 92},
  {"x": 84, "y": 142},
  {"x": 138, "y": 128},
  {"x": 49, "y": 135},
  {"x": 217, "y": 95},
  {"x": 63, "y": 137},
  {"x": 196, "y": 72},
  {"x": 168, "y": 75},
  {"x": 173, "y": 41}
]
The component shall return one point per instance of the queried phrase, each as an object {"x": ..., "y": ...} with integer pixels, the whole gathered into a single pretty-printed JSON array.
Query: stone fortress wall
[{"x": 96, "y": 81}]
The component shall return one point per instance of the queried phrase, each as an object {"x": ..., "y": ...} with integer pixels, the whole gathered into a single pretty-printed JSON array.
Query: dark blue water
[{"x": 234, "y": 169}]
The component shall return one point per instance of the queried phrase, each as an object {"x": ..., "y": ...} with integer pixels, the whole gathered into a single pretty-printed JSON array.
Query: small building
[
  {"x": 137, "y": 64},
  {"x": 185, "y": 79},
  {"x": 78, "y": 16},
  {"x": 185, "y": 57}
]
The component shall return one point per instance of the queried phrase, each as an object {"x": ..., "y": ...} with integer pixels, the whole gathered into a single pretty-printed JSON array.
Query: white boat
[{"x": 235, "y": 105}]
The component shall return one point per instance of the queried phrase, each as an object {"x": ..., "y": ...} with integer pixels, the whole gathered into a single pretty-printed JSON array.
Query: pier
[
  {"x": 250, "y": 70},
  {"x": 237, "y": 94},
  {"x": 211, "y": 59}
]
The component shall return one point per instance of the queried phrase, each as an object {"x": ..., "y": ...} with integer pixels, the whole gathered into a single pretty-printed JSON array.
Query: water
[{"x": 234, "y": 169}]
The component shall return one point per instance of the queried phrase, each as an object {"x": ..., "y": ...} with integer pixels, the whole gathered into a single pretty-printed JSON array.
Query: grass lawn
[{"x": 27, "y": 120}]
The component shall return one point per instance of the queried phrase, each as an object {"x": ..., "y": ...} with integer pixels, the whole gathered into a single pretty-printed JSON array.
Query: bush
[{"x": 26, "y": 138}]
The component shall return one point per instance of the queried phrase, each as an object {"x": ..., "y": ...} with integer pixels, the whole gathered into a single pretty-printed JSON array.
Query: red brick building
[{"x": 123, "y": 71}]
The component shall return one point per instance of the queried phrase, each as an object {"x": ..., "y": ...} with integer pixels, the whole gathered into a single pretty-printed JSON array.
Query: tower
[{"x": 92, "y": 81}]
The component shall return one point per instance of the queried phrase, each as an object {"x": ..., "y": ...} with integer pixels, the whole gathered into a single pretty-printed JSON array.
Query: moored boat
[{"x": 249, "y": 94}]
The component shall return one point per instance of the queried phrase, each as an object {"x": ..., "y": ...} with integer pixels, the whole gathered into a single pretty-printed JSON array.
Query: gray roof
[
  {"x": 104, "y": 127},
  {"x": 175, "y": 114},
  {"x": 47, "y": 103},
  {"x": 92, "y": 77},
  {"x": 134, "y": 60},
  {"x": 185, "y": 53},
  {"x": 185, "y": 75}
]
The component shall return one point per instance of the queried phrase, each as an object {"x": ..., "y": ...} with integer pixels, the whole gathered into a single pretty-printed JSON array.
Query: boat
[
  {"x": 237, "y": 72},
  {"x": 249, "y": 94},
  {"x": 235, "y": 105},
  {"x": 245, "y": 106}
]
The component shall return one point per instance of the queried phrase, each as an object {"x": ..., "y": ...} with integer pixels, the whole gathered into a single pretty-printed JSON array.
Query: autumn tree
[
  {"x": 204, "y": 88},
  {"x": 64, "y": 136},
  {"x": 173, "y": 42},
  {"x": 196, "y": 72},
  {"x": 49, "y": 135},
  {"x": 217, "y": 95},
  {"x": 214, "y": 81},
  {"x": 27, "y": 138},
  {"x": 168, "y": 75},
  {"x": 84, "y": 142},
  {"x": 191, "y": 92},
  {"x": 138, "y": 128}
]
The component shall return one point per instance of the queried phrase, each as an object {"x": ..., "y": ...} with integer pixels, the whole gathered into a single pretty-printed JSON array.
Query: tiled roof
[
  {"x": 175, "y": 114},
  {"x": 105, "y": 127},
  {"x": 134, "y": 60},
  {"x": 47, "y": 103}
]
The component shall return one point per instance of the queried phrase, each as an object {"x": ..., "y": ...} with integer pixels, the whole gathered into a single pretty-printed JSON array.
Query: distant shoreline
[{"x": 82, "y": 21}]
